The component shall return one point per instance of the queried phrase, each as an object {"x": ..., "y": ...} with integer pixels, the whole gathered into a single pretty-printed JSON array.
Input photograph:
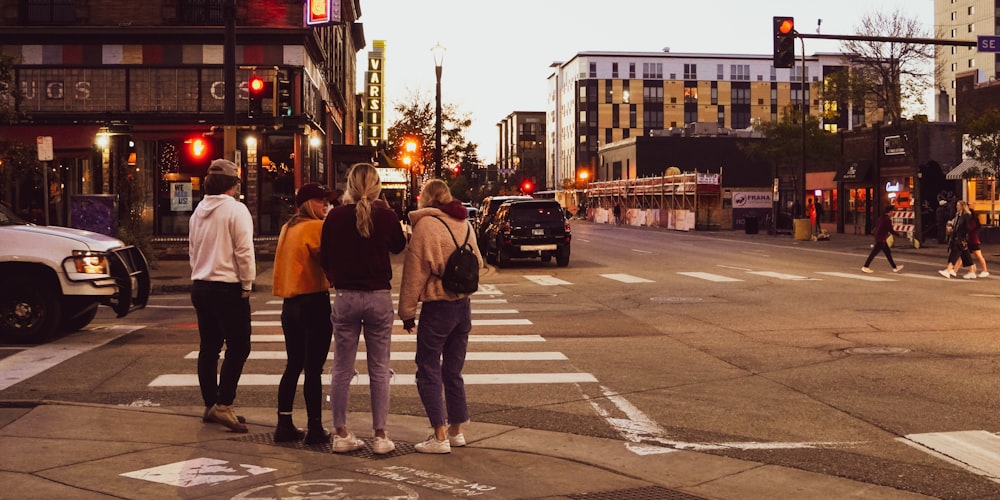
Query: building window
[
  {"x": 690, "y": 116},
  {"x": 741, "y": 119},
  {"x": 49, "y": 11},
  {"x": 972, "y": 28},
  {"x": 954, "y": 15},
  {"x": 652, "y": 70},
  {"x": 715, "y": 95},
  {"x": 593, "y": 70},
  {"x": 652, "y": 119},
  {"x": 954, "y": 32},
  {"x": 690, "y": 71},
  {"x": 608, "y": 137},
  {"x": 691, "y": 95},
  {"x": 626, "y": 95},
  {"x": 718, "y": 72},
  {"x": 774, "y": 74},
  {"x": 972, "y": 10},
  {"x": 632, "y": 116},
  {"x": 652, "y": 93},
  {"x": 631, "y": 70},
  {"x": 954, "y": 66},
  {"x": 201, "y": 12},
  {"x": 739, "y": 72},
  {"x": 609, "y": 92},
  {"x": 614, "y": 70},
  {"x": 972, "y": 63},
  {"x": 626, "y": 133},
  {"x": 615, "y": 122},
  {"x": 740, "y": 96}
]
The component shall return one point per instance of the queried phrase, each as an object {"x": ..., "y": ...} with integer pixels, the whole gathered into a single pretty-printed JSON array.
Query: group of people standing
[{"x": 345, "y": 246}]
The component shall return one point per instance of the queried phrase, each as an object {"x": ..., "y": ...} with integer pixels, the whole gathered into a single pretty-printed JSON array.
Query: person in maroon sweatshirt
[
  {"x": 883, "y": 228},
  {"x": 355, "y": 245}
]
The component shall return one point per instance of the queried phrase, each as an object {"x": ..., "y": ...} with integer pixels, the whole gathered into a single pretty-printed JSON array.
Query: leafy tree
[
  {"x": 887, "y": 73},
  {"x": 983, "y": 143},
  {"x": 9, "y": 94},
  {"x": 417, "y": 121}
]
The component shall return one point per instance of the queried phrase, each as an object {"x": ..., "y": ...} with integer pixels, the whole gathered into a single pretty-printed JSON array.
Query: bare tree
[{"x": 887, "y": 74}]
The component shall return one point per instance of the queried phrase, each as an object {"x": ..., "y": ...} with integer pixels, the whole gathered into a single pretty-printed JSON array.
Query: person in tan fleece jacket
[{"x": 445, "y": 317}]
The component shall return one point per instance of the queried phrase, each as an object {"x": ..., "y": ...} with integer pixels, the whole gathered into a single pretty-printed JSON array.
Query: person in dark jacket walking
[
  {"x": 958, "y": 241},
  {"x": 883, "y": 228}
]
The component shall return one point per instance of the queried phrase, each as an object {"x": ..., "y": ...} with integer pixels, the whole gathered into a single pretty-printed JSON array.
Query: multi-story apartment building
[
  {"x": 521, "y": 150},
  {"x": 597, "y": 98},
  {"x": 963, "y": 20},
  {"x": 134, "y": 95}
]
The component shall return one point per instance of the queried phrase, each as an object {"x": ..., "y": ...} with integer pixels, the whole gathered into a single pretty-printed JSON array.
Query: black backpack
[{"x": 461, "y": 271}]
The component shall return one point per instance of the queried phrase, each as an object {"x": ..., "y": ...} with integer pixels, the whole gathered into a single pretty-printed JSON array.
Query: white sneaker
[
  {"x": 984, "y": 274},
  {"x": 383, "y": 445},
  {"x": 458, "y": 440},
  {"x": 952, "y": 274},
  {"x": 867, "y": 270},
  {"x": 944, "y": 273},
  {"x": 345, "y": 444},
  {"x": 969, "y": 276},
  {"x": 897, "y": 268},
  {"x": 432, "y": 445}
]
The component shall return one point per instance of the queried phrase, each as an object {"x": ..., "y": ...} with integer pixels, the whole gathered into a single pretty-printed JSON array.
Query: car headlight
[{"x": 88, "y": 262}]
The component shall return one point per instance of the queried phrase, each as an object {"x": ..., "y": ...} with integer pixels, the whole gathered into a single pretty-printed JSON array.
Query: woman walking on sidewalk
[
  {"x": 305, "y": 313},
  {"x": 883, "y": 228},
  {"x": 958, "y": 242},
  {"x": 357, "y": 239}
]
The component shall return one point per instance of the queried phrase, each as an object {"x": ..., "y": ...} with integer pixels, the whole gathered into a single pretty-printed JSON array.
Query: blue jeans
[
  {"x": 354, "y": 311},
  {"x": 305, "y": 321},
  {"x": 223, "y": 318},
  {"x": 442, "y": 341}
]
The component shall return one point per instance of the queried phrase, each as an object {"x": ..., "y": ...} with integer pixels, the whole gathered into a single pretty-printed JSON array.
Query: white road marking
[
  {"x": 196, "y": 472},
  {"x": 636, "y": 250},
  {"x": 711, "y": 277},
  {"x": 475, "y": 322},
  {"x": 855, "y": 276},
  {"x": 782, "y": 276},
  {"x": 261, "y": 379},
  {"x": 646, "y": 437},
  {"x": 974, "y": 451},
  {"x": 546, "y": 280},
  {"x": 413, "y": 338},
  {"x": 410, "y": 356},
  {"x": 34, "y": 360},
  {"x": 747, "y": 269},
  {"x": 626, "y": 278}
]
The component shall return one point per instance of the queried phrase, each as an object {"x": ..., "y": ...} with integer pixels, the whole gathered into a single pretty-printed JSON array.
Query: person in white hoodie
[
  {"x": 223, "y": 269},
  {"x": 445, "y": 316}
]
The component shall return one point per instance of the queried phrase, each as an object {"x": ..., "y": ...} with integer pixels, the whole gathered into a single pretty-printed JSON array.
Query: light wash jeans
[{"x": 354, "y": 311}]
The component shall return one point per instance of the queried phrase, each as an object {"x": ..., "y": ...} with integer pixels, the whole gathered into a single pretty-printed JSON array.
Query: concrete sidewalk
[{"x": 57, "y": 449}]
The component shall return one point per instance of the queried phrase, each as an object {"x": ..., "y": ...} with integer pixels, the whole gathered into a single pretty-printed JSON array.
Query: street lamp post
[{"x": 438, "y": 52}]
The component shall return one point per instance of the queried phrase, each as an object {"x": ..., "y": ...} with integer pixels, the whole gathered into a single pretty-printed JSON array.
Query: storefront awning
[
  {"x": 65, "y": 138},
  {"x": 959, "y": 171},
  {"x": 854, "y": 172}
]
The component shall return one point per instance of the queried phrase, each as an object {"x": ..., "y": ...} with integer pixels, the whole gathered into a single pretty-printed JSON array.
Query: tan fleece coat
[{"x": 425, "y": 257}]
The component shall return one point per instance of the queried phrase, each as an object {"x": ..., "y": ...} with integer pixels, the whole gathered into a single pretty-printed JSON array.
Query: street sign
[
  {"x": 986, "y": 43},
  {"x": 44, "y": 146}
]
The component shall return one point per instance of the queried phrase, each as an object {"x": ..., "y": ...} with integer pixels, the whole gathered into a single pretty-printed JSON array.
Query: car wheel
[
  {"x": 562, "y": 260},
  {"x": 29, "y": 310},
  {"x": 503, "y": 257}
]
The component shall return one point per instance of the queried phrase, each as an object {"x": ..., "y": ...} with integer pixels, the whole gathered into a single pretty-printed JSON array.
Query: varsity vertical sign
[{"x": 373, "y": 93}]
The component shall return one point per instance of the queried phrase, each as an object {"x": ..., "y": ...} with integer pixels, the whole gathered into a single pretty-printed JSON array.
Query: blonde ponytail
[{"x": 363, "y": 187}]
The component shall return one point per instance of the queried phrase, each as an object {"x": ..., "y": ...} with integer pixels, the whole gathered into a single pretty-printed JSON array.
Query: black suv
[
  {"x": 486, "y": 213},
  {"x": 528, "y": 229}
]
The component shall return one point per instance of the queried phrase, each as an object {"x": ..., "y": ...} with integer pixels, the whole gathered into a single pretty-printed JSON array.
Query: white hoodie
[{"x": 220, "y": 242}]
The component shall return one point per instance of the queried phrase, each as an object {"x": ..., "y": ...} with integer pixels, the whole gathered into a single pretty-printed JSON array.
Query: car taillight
[{"x": 505, "y": 228}]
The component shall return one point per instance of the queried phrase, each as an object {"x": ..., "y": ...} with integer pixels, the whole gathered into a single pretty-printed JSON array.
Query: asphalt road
[{"x": 755, "y": 348}]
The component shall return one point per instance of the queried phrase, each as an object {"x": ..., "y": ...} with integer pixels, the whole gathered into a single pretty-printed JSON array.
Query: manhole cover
[
  {"x": 877, "y": 350},
  {"x": 676, "y": 300}
]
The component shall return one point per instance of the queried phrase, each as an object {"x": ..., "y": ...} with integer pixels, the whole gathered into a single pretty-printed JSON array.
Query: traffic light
[
  {"x": 256, "y": 91},
  {"x": 197, "y": 147},
  {"x": 457, "y": 169},
  {"x": 784, "y": 42},
  {"x": 282, "y": 95},
  {"x": 527, "y": 187}
]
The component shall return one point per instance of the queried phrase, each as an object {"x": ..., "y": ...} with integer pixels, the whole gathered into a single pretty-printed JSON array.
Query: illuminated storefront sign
[
  {"x": 373, "y": 94},
  {"x": 322, "y": 12}
]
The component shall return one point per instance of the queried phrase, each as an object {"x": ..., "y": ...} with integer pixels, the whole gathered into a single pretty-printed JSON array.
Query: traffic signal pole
[{"x": 229, "y": 77}]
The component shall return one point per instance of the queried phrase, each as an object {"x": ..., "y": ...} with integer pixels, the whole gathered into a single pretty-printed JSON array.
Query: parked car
[
  {"x": 473, "y": 211},
  {"x": 526, "y": 230},
  {"x": 486, "y": 212},
  {"x": 54, "y": 278}
]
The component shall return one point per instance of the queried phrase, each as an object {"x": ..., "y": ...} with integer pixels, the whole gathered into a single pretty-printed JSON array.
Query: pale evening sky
[{"x": 499, "y": 52}]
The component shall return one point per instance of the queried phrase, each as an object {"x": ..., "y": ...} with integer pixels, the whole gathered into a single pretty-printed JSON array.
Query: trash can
[
  {"x": 801, "y": 229},
  {"x": 751, "y": 224}
]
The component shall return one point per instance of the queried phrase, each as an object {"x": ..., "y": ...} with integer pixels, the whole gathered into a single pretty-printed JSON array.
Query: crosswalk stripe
[
  {"x": 546, "y": 280},
  {"x": 782, "y": 276},
  {"x": 260, "y": 379},
  {"x": 410, "y": 356},
  {"x": 475, "y": 322},
  {"x": 855, "y": 276},
  {"x": 975, "y": 451},
  {"x": 710, "y": 277},
  {"x": 626, "y": 278},
  {"x": 413, "y": 338}
]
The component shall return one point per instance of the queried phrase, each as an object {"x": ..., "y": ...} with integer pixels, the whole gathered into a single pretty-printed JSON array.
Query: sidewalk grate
[
  {"x": 645, "y": 493},
  {"x": 267, "y": 438}
]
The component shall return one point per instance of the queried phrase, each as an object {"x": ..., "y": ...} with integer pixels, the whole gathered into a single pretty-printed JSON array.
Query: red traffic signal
[
  {"x": 457, "y": 169},
  {"x": 197, "y": 148},
  {"x": 257, "y": 90},
  {"x": 256, "y": 85},
  {"x": 527, "y": 187},
  {"x": 784, "y": 42}
]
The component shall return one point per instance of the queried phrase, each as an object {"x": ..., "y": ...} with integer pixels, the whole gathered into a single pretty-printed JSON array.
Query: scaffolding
[{"x": 685, "y": 201}]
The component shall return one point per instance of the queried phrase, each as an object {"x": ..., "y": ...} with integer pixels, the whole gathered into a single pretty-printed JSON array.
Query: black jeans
[
  {"x": 883, "y": 247},
  {"x": 223, "y": 318},
  {"x": 305, "y": 320}
]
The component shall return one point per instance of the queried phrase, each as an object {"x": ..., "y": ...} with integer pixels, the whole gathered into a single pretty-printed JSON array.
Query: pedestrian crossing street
[{"x": 494, "y": 339}]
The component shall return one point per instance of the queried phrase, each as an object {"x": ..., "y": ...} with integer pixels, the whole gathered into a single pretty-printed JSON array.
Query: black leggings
[{"x": 305, "y": 320}]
